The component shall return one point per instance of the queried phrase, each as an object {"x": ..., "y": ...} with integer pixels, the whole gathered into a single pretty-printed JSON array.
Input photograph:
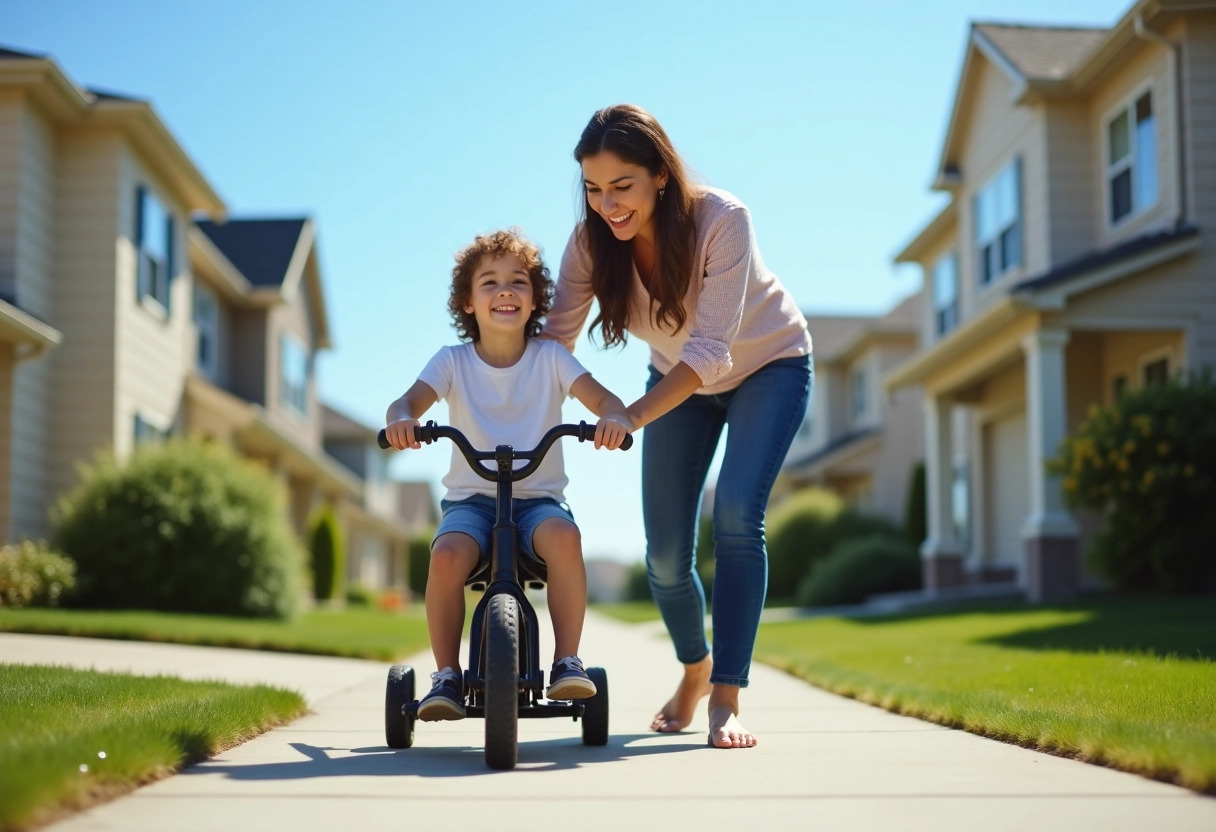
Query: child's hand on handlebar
[
  {"x": 610, "y": 431},
  {"x": 401, "y": 435}
]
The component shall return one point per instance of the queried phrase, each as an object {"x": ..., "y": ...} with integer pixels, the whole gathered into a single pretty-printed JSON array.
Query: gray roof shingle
[{"x": 260, "y": 249}]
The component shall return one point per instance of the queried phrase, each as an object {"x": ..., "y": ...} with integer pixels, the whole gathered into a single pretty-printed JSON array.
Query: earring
[{"x": 661, "y": 190}]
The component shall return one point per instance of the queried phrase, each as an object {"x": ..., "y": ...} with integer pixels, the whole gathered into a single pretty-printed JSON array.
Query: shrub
[
  {"x": 184, "y": 526},
  {"x": 1146, "y": 464},
  {"x": 797, "y": 535},
  {"x": 33, "y": 575},
  {"x": 327, "y": 552},
  {"x": 637, "y": 586},
  {"x": 916, "y": 518},
  {"x": 705, "y": 556},
  {"x": 358, "y": 595},
  {"x": 419, "y": 564},
  {"x": 860, "y": 568}
]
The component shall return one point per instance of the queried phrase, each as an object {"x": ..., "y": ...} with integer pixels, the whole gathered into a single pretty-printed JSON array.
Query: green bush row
[{"x": 33, "y": 575}]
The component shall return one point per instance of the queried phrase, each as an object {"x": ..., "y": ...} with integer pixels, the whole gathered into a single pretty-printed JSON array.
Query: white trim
[
  {"x": 1127, "y": 105},
  {"x": 993, "y": 53},
  {"x": 1152, "y": 356}
]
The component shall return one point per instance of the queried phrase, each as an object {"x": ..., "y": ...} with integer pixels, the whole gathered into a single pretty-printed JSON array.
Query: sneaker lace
[
  {"x": 440, "y": 675},
  {"x": 569, "y": 663}
]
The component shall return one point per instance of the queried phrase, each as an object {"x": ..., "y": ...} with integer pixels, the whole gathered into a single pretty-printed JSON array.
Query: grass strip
[
  {"x": 1130, "y": 684},
  {"x": 74, "y": 738},
  {"x": 354, "y": 632}
]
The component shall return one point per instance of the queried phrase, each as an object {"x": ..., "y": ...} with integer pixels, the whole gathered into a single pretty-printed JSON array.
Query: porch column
[
  {"x": 941, "y": 554},
  {"x": 1049, "y": 534}
]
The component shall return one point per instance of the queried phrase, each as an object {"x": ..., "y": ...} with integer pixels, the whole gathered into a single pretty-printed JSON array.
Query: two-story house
[
  {"x": 133, "y": 309},
  {"x": 1069, "y": 264},
  {"x": 856, "y": 439}
]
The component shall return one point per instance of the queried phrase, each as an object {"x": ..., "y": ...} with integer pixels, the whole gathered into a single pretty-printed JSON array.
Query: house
[
  {"x": 132, "y": 308},
  {"x": 856, "y": 439},
  {"x": 1074, "y": 259},
  {"x": 380, "y": 527}
]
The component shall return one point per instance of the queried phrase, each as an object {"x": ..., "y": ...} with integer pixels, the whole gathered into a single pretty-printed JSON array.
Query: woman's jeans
[{"x": 762, "y": 415}]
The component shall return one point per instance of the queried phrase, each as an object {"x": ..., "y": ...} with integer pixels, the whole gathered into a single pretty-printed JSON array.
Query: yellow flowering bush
[{"x": 1147, "y": 465}]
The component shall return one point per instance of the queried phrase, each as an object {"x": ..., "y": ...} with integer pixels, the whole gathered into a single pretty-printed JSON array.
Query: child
[{"x": 503, "y": 386}]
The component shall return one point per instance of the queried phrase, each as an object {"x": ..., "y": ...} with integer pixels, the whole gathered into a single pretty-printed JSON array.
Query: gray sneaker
[
  {"x": 568, "y": 680},
  {"x": 446, "y": 699}
]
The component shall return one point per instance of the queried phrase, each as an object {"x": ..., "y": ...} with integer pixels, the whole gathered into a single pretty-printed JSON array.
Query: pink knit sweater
[{"x": 740, "y": 316}]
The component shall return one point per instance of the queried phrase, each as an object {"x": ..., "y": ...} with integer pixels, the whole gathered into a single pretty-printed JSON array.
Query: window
[
  {"x": 1156, "y": 373},
  {"x": 293, "y": 373},
  {"x": 146, "y": 432},
  {"x": 859, "y": 395},
  {"x": 206, "y": 322},
  {"x": 998, "y": 223},
  {"x": 945, "y": 293},
  {"x": 1131, "y": 159},
  {"x": 154, "y": 243},
  {"x": 960, "y": 503}
]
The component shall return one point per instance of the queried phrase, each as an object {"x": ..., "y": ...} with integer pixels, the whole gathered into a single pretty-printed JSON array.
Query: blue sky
[{"x": 405, "y": 128}]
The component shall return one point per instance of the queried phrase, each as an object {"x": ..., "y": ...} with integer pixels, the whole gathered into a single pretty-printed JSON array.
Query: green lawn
[
  {"x": 1126, "y": 683},
  {"x": 73, "y": 738},
  {"x": 358, "y": 632}
]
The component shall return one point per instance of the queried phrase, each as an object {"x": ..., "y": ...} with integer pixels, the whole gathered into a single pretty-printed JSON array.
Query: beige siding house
[
  {"x": 1073, "y": 260},
  {"x": 132, "y": 309},
  {"x": 857, "y": 439}
]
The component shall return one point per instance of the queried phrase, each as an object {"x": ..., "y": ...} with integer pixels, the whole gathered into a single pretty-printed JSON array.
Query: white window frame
[
  {"x": 1110, "y": 170},
  {"x": 859, "y": 404},
  {"x": 953, "y": 308},
  {"x": 1018, "y": 224},
  {"x": 206, "y": 314},
  {"x": 287, "y": 388},
  {"x": 153, "y": 278},
  {"x": 1152, "y": 357}
]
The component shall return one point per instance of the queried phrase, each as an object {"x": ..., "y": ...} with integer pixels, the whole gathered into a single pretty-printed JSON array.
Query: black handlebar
[{"x": 429, "y": 432}]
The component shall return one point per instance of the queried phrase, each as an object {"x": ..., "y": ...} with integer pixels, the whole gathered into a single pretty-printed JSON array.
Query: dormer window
[
  {"x": 998, "y": 223},
  {"x": 1131, "y": 158}
]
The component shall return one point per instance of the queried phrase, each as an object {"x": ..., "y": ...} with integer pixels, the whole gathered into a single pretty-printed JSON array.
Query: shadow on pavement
[{"x": 451, "y": 761}]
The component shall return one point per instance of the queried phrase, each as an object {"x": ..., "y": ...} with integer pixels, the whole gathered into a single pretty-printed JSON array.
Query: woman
[{"x": 676, "y": 265}]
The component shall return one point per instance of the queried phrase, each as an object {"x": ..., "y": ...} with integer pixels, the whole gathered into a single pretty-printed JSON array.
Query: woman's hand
[{"x": 401, "y": 435}]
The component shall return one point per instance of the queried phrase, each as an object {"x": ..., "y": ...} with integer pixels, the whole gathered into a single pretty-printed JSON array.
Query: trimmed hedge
[
  {"x": 860, "y": 568},
  {"x": 419, "y": 564},
  {"x": 185, "y": 527},
  {"x": 33, "y": 575},
  {"x": 797, "y": 535}
]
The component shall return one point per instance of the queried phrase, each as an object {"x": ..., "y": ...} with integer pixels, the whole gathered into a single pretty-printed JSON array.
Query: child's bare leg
[
  {"x": 453, "y": 557},
  {"x": 677, "y": 713},
  {"x": 725, "y": 731},
  {"x": 559, "y": 544}
]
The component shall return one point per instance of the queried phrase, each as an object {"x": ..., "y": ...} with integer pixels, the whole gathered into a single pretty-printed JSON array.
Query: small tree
[
  {"x": 328, "y": 554},
  {"x": 915, "y": 519},
  {"x": 1146, "y": 465},
  {"x": 419, "y": 564}
]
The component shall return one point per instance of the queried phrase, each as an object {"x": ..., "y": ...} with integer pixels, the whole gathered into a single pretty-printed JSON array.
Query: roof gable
[
  {"x": 262, "y": 250},
  {"x": 1041, "y": 53}
]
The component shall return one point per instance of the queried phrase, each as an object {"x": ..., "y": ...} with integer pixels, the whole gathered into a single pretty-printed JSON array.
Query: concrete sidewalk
[{"x": 824, "y": 762}]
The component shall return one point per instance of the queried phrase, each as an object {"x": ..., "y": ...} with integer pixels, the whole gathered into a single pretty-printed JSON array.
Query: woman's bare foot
[
  {"x": 678, "y": 712},
  {"x": 725, "y": 731}
]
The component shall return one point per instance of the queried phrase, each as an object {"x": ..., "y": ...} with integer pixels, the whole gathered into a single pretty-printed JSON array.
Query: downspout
[{"x": 1176, "y": 50}]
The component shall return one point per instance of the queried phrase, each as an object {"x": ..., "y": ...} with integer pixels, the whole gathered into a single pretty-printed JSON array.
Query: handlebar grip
[
  {"x": 586, "y": 433},
  {"x": 423, "y": 433}
]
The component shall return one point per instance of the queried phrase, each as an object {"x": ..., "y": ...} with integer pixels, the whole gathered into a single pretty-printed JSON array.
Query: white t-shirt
[{"x": 513, "y": 405}]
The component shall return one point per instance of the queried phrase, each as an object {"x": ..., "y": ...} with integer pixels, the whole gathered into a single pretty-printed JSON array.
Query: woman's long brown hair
[{"x": 636, "y": 137}]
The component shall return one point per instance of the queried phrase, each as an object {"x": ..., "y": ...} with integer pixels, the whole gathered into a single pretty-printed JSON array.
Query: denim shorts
[{"x": 475, "y": 517}]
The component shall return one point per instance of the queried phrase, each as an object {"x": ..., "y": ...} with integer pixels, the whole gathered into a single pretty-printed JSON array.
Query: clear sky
[{"x": 405, "y": 128}]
